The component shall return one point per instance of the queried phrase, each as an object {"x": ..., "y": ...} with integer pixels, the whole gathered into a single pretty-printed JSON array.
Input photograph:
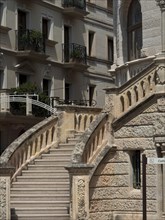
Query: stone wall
[{"x": 112, "y": 196}]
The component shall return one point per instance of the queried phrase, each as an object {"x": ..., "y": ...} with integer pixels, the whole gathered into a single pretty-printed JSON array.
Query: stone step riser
[
  {"x": 39, "y": 198},
  {"x": 42, "y": 179},
  {"x": 48, "y": 167},
  {"x": 41, "y": 191},
  {"x": 63, "y": 211},
  {"x": 33, "y": 185},
  {"x": 45, "y": 173},
  {"x": 49, "y": 162},
  {"x": 61, "y": 151},
  {"x": 40, "y": 218},
  {"x": 39, "y": 204}
]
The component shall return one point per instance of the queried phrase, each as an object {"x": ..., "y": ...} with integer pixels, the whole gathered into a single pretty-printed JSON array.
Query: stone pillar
[
  {"x": 79, "y": 192},
  {"x": 160, "y": 143},
  {"x": 161, "y": 4},
  {"x": 163, "y": 193},
  {"x": 5, "y": 176},
  {"x": 4, "y": 101},
  {"x": 28, "y": 105}
]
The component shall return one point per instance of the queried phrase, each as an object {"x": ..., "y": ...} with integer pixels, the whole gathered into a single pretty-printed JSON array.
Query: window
[
  {"x": 110, "y": 4},
  {"x": 110, "y": 49},
  {"x": 1, "y": 78},
  {"x": 1, "y": 12},
  {"x": 66, "y": 43},
  {"x": 90, "y": 42},
  {"x": 136, "y": 170},
  {"x": 46, "y": 87},
  {"x": 45, "y": 28},
  {"x": 67, "y": 92},
  {"x": 22, "y": 79},
  {"x": 91, "y": 94},
  {"x": 134, "y": 30},
  {"x": 21, "y": 20}
]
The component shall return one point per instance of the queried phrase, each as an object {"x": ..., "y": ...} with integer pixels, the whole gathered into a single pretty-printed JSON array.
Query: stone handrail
[
  {"x": 93, "y": 139},
  {"x": 31, "y": 144},
  {"x": 132, "y": 68},
  {"x": 139, "y": 88}
]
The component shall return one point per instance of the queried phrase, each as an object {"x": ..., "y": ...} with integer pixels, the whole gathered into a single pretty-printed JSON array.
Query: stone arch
[
  {"x": 85, "y": 121},
  {"x": 129, "y": 99},
  {"x": 143, "y": 91},
  {"x": 136, "y": 94},
  {"x": 122, "y": 102}
]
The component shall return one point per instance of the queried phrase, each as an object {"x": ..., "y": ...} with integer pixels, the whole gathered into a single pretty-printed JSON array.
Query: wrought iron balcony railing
[
  {"x": 80, "y": 4},
  {"x": 30, "y": 40},
  {"x": 74, "y": 53}
]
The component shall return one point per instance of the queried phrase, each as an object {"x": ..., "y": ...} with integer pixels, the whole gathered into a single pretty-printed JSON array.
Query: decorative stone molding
[
  {"x": 161, "y": 104},
  {"x": 5, "y": 173},
  {"x": 160, "y": 78},
  {"x": 161, "y": 3},
  {"x": 79, "y": 174}
]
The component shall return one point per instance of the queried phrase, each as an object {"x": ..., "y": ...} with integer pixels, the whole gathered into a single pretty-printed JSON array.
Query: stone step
[
  {"x": 61, "y": 151},
  {"x": 40, "y": 190},
  {"x": 40, "y": 184},
  {"x": 46, "y": 167},
  {"x": 57, "y": 155},
  {"x": 45, "y": 173},
  {"x": 39, "y": 204},
  {"x": 72, "y": 140},
  {"x": 41, "y": 197},
  {"x": 41, "y": 217},
  {"x": 42, "y": 178},
  {"x": 43, "y": 210},
  {"x": 51, "y": 161},
  {"x": 66, "y": 146}
]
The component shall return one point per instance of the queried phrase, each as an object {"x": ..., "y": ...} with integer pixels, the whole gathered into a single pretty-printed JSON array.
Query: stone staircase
[{"x": 42, "y": 192}]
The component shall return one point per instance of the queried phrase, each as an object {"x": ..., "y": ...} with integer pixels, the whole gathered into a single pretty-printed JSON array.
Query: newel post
[
  {"x": 5, "y": 177},
  {"x": 79, "y": 191}
]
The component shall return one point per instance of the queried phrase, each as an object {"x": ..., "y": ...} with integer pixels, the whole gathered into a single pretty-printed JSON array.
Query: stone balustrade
[
  {"x": 133, "y": 92},
  {"x": 96, "y": 141},
  {"x": 92, "y": 141},
  {"x": 31, "y": 144},
  {"x": 130, "y": 69},
  {"x": 76, "y": 118}
]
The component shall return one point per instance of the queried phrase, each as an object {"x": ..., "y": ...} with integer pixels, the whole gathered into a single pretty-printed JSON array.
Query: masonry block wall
[{"x": 112, "y": 194}]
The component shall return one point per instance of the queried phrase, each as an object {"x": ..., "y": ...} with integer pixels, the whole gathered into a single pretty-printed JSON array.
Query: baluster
[
  {"x": 52, "y": 134},
  {"x": 44, "y": 140}
]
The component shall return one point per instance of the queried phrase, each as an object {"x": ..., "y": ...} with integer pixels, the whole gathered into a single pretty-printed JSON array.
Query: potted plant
[{"x": 76, "y": 55}]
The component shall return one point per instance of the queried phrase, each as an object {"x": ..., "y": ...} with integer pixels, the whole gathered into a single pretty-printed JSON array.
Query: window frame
[
  {"x": 135, "y": 159},
  {"x": 134, "y": 45}
]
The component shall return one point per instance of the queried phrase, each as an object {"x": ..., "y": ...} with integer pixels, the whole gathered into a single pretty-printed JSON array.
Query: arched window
[{"x": 134, "y": 30}]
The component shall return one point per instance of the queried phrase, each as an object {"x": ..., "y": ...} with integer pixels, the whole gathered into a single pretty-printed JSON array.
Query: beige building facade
[
  {"x": 87, "y": 163},
  {"x": 65, "y": 48}
]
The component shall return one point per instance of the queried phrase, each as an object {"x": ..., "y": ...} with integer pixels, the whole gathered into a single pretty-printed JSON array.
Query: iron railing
[
  {"x": 74, "y": 53},
  {"x": 80, "y": 4},
  {"x": 30, "y": 40}
]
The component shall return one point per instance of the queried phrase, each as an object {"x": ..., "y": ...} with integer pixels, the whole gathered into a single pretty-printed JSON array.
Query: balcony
[
  {"x": 30, "y": 40},
  {"x": 75, "y": 8},
  {"x": 74, "y": 55}
]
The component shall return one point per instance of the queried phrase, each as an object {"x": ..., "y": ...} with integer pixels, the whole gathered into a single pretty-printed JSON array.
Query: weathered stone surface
[
  {"x": 116, "y": 156},
  {"x": 151, "y": 180},
  {"x": 110, "y": 180},
  {"x": 120, "y": 193},
  {"x": 122, "y": 205},
  {"x": 134, "y": 143},
  {"x": 101, "y": 216},
  {"x": 112, "y": 168},
  {"x": 135, "y": 132}
]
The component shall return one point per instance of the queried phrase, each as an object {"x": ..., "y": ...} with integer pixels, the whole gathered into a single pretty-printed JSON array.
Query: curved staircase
[{"x": 43, "y": 191}]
